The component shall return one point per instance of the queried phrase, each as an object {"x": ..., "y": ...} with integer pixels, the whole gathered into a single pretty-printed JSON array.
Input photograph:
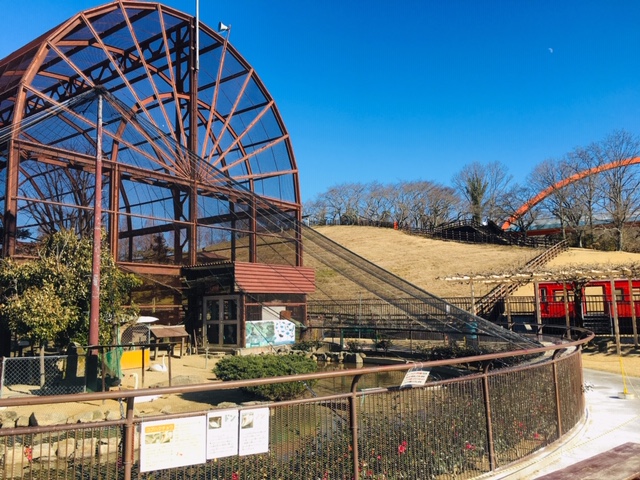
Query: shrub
[
  {"x": 462, "y": 351},
  {"x": 384, "y": 344},
  {"x": 262, "y": 366},
  {"x": 307, "y": 345}
]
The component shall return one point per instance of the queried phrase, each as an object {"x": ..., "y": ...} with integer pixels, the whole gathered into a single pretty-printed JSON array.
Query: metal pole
[
  {"x": 94, "y": 312},
  {"x": 473, "y": 298},
  {"x": 556, "y": 389},
  {"x": 197, "y": 65},
  {"x": 353, "y": 425},
  {"x": 128, "y": 447},
  {"x": 565, "y": 299},
  {"x": 538, "y": 306},
  {"x": 616, "y": 324},
  {"x": 632, "y": 307},
  {"x": 488, "y": 417},
  {"x": 91, "y": 370}
]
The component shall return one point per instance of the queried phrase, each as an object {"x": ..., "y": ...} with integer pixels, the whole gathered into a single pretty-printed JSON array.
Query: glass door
[{"x": 221, "y": 321}]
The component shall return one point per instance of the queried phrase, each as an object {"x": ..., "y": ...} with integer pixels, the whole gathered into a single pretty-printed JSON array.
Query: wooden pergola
[{"x": 564, "y": 276}]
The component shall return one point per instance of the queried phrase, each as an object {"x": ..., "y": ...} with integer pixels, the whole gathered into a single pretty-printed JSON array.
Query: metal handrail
[{"x": 128, "y": 422}]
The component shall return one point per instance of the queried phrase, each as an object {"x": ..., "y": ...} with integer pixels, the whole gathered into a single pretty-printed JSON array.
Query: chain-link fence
[
  {"x": 46, "y": 375},
  {"x": 134, "y": 334}
]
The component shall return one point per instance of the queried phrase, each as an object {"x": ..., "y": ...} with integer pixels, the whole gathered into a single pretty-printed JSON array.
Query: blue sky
[{"x": 416, "y": 89}]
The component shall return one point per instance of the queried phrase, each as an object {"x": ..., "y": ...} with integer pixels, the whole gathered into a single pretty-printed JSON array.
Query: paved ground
[{"x": 612, "y": 419}]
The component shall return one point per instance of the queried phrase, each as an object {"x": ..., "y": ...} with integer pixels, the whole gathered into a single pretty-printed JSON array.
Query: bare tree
[
  {"x": 482, "y": 185},
  {"x": 402, "y": 199},
  {"x": 512, "y": 199},
  {"x": 621, "y": 186},
  {"x": 61, "y": 189},
  {"x": 434, "y": 204},
  {"x": 355, "y": 194},
  {"x": 585, "y": 191},
  {"x": 375, "y": 204},
  {"x": 316, "y": 211},
  {"x": 335, "y": 200},
  {"x": 559, "y": 202}
]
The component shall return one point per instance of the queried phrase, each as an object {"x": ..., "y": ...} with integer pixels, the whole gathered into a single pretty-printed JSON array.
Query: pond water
[
  {"x": 335, "y": 385},
  {"x": 328, "y": 386}
]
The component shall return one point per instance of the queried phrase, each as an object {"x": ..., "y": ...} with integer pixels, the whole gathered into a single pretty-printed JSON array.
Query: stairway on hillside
[{"x": 486, "y": 304}]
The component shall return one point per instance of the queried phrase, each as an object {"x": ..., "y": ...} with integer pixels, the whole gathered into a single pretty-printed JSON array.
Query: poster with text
[
  {"x": 254, "y": 431},
  {"x": 415, "y": 377},
  {"x": 172, "y": 443},
  {"x": 222, "y": 433}
]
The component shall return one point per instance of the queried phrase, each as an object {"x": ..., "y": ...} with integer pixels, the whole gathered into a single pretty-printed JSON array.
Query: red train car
[{"x": 596, "y": 298}]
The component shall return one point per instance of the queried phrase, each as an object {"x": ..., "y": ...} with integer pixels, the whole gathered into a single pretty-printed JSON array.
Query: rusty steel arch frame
[
  {"x": 178, "y": 141},
  {"x": 529, "y": 204}
]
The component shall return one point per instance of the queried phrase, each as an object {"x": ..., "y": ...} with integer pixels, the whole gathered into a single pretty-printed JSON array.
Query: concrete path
[{"x": 612, "y": 420}]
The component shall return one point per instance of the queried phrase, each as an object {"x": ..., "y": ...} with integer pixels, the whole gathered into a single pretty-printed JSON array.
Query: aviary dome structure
[{"x": 199, "y": 176}]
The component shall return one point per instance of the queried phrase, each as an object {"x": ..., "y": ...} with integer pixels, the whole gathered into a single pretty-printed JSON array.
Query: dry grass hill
[{"x": 427, "y": 262}]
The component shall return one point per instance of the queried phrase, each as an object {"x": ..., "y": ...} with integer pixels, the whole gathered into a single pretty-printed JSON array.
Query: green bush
[
  {"x": 307, "y": 345},
  {"x": 263, "y": 366},
  {"x": 463, "y": 351}
]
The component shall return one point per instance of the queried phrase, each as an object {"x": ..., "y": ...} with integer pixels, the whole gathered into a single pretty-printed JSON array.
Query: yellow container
[{"x": 133, "y": 359}]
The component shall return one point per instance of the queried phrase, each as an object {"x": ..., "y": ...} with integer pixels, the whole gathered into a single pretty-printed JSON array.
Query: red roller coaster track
[{"x": 563, "y": 183}]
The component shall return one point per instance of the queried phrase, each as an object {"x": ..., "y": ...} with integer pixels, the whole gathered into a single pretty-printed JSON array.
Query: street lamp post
[{"x": 94, "y": 309}]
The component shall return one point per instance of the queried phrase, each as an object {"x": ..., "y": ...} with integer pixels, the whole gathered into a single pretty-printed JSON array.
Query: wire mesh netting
[
  {"x": 47, "y": 375},
  {"x": 441, "y": 430},
  {"x": 78, "y": 453},
  {"x": 411, "y": 302}
]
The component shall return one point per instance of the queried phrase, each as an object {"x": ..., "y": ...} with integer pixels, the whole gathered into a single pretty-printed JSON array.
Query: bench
[{"x": 619, "y": 463}]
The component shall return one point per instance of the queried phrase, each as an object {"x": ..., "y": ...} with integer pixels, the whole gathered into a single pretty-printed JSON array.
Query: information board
[{"x": 172, "y": 443}]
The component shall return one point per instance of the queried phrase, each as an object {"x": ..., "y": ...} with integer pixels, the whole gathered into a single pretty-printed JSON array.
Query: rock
[
  {"x": 8, "y": 415},
  {"x": 64, "y": 448},
  {"x": 108, "y": 446},
  {"x": 8, "y": 419},
  {"x": 42, "y": 451},
  {"x": 22, "y": 421},
  {"x": 113, "y": 415},
  {"x": 43, "y": 419},
  {"x": 82, "y": 417},
  {"x": 86, "y": 448},
  {"x": 15, "y": 461},
  {"x": 227, "y": 405},
  {"x": 8, "y": 423},
  {"x": 354, "y": 358},
  {"x": 334, "y": 356},
  {"x": 185, "y": 380},
  {"x": 111, "y": 442}
]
